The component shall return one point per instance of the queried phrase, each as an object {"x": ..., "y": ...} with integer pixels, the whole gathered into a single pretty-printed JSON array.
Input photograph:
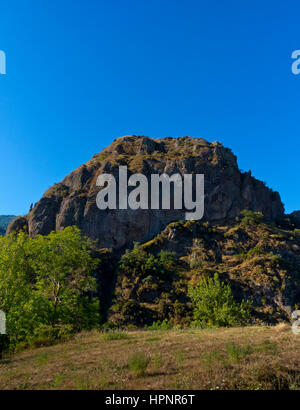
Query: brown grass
[{"x": 236, "y": 358}]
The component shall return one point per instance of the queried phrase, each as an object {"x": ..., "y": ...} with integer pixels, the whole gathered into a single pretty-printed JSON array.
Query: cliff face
[{"x": 73, "y": 201}]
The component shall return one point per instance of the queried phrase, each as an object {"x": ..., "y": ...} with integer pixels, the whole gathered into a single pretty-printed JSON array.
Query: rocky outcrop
[
  {"x": 73, "y": 201},
  {"x": 261, "y": 262},
  {"x": 18, "y": 224}
]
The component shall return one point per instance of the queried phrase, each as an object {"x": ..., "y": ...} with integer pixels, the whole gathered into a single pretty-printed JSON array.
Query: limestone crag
[{"x": 73, "y": 200}]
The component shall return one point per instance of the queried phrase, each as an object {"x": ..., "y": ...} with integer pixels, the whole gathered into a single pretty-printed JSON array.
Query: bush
[
  {"x": 164, "y": 325},
  {"x": 141, "y": 264},
  {"x": 114, "y": 335},
  {"x": 251, "y": 218},
  {"x": 214, "y": 305},
  {"x": 138, "y": 364},
  {"x": 45, "y": 335},
  {"x": 236, "y": 352},
  {"x": 108, "y": 326},
  {"x": 250, "y": 253}
]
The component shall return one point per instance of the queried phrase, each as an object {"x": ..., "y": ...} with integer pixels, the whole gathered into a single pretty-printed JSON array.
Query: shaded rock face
[
  {"x": 18, "y": 224},
  {"x": 227, "y": 190}
]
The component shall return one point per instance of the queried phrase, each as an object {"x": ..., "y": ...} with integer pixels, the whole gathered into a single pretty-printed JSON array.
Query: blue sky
[{"x": 81, "y": 73}]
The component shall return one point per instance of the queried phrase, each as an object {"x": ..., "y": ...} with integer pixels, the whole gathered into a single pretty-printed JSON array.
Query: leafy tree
[
  {"x": 16, "y": 275},
  {"x": 137, "y": 262},
  {"x": 47, "y": 282},
  {"x": 214, "y": 304},
  {"x": 63, "y": 267}
]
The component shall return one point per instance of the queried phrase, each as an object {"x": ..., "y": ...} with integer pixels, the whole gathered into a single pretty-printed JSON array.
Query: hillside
[
  {"x": 4, "y": 222},
  {"x": 260, "y": 260},
  {"x": 237, "y": 358},
  {"x": 257, "y": 253}
]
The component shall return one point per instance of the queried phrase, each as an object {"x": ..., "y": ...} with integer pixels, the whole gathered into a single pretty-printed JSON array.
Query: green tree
[
  {"x": 251, "y": 218},
  {"x": 16, "y": 276},
  {"x": 137, "y": 262},
  {"x": 47, "y": 282},
  {"x": 214, "y": 305},
  {"x": 63, "y": 266}
]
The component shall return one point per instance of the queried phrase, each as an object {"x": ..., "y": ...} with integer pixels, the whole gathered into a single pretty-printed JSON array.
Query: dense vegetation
[
  {"x": 46, "y": 286},
  {"x": 214, "y": 305},
  {"x": 258, "y": 259},
  {"x": 142, "y": 279}
]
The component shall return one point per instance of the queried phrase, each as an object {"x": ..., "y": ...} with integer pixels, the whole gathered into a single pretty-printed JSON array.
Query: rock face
[
  {"x": 20, "y": 223},
  {"x": 227, "y": 190}
]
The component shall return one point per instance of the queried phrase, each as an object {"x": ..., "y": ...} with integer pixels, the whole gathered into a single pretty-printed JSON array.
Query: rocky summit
[{"x": 73, "y": 201}]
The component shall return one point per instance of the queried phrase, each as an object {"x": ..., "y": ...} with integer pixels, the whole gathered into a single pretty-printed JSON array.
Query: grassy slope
[{"x": 237, "y": 358}]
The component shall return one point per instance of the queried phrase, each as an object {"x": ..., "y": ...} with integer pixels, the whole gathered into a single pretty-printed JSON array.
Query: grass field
[{"x": 233, "y": 358}]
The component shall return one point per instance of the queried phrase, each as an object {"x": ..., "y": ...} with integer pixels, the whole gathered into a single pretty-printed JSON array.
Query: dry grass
[{"x": 236, "y": 358}]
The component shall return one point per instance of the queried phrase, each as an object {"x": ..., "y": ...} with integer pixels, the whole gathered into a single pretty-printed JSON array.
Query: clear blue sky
[{"x": 83, "y": 72}]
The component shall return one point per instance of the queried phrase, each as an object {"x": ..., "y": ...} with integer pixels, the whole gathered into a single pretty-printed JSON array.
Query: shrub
[
  {"x": 196, "y": 263},
  {"x": 164, "y": 325},
  {"x": 158, "y": 361},
  {"x": 214, "y": 305},
  {"x": 114, "y": 335},
  {"x": 108, "y": 326},
  {"x": 138, "y": 364},
  {"x": 251, "y": 218},
  {"x": 236, "y": 352},
  {"x": 46, "y": 335},
  {"x": 132, "y": 311},
  {"x": 251, "y": 253},
  {"x": 139, "y": 263},
  {"x": 255, "y": 251}
]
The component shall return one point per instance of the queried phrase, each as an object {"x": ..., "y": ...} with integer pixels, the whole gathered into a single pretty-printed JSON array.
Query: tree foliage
[
  {"x": 214, "y": 305},
  {"x": 251, "y": 218},
  {"x": 137, "y": 262},
  {"x": 47, "y": 282}
]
